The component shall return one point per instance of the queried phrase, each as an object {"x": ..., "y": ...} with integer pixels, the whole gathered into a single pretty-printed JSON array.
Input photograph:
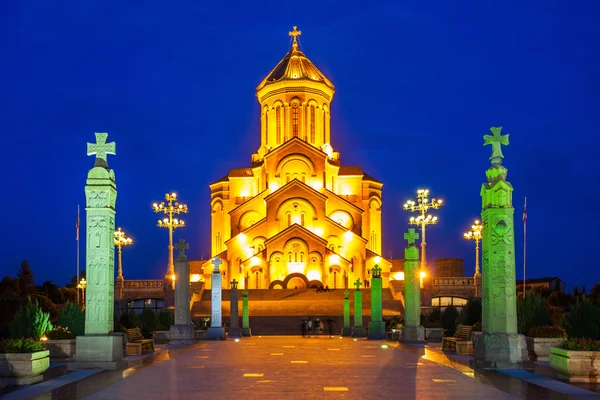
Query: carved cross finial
[
  {"x": 357, "y": 284},
  {"x": 216, "y": 262},
  {"x": 497, "y": 141},
  {"x": 234, "y": 284},
  {"x": 182, "y": 246},
  {"x": 245, "y": 293},
  {"x": 376, "y": 271},
  {"x": 294, "y": 34},
  {"x": 346, "y": 293},
  {"x": 101, "y": 149},
  {"x": 411, "y": 236}
]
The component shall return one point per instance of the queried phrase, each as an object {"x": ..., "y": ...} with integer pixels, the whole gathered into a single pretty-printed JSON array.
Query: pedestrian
[
  {"x": 304, "y": 326},
  {"x": 330, "y": 326},
  {"x": 309, "y": 326}
]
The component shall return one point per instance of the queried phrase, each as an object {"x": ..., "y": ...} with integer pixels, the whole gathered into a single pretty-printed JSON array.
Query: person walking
[{"x": 309, "y": 326}]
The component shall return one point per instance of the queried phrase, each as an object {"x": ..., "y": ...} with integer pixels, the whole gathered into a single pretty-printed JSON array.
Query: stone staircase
[{"x": 280, "y": 311}]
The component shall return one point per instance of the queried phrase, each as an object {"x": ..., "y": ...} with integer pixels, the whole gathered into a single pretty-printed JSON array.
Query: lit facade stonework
[{"x": 295, "y": 216}]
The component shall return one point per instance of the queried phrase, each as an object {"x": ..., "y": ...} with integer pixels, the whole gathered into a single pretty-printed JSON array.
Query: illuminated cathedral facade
[{"x": 295, "y": 217}]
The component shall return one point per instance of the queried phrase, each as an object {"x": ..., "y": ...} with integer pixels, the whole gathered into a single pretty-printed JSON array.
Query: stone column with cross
[
  {"x": 346, "y": 330},
  {"x": 413, "y": 331},
  {"x": 234, "y": 317},
  {"x": 358, "y": 330},
  {"x": 100, "y": 348},
  {"x": 216, "y": 330},
  {"x": 499, "y": 346},
  {"x": 245, "y": 317},
  {"x": 377, "y": 324},
  {"x": 182, "y": 332}
]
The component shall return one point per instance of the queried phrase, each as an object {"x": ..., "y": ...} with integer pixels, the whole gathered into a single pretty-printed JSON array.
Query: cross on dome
[
  {"x": 295, "y": 33},
  {"x": 497, "y": 141},
  {"x": 357, "y": 283},
  {"x": 216, "y": 262},
  {"x": 182, "y": 246},
  {"x": 376, "y": 271}
]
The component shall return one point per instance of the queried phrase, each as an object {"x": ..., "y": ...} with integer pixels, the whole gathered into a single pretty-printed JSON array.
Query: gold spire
[{"x": 295, "y": 33}]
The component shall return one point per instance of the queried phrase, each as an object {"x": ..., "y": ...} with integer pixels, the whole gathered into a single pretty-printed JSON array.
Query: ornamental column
[
  {"x": 100, "y": 348},
  {"x": 499, "y": 346}
]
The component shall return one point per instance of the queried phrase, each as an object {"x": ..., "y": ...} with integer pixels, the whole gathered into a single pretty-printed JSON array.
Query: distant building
[
  {"x": 449, "y": 267},
  {"x": 554, "y": 284}
]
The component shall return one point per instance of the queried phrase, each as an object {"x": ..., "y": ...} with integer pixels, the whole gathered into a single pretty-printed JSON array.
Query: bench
[
  {"x": 136, "y": 344},
  {"x": 461, "y": 341}
]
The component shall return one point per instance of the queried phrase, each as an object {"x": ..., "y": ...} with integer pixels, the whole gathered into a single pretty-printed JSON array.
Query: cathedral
[{"x": 295, "y": 217}]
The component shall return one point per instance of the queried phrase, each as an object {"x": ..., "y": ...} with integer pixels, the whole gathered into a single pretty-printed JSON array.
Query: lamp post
[
  {"x": 422, "y": 206},
  {"x": 121, "y": 241},
  {"x": 82, "y": 284},
  {"x": 475, "y": 234},
  {"x": 171, "y": 209}
]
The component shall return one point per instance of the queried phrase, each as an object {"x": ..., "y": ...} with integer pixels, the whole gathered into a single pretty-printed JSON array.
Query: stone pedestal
[
  {"x": 96, "y": 351},
  {"x": 182, "y": 334},
  {"x": 234, "y": 319},
  {"x": 501, "y": 351},
  {"x": 359, "y": 331},
  {"x": 413, "y": 334},
  {"x": 346, "y": 330},
  {"x": 216, "y": 333},
  {"x": 246, "y": 332},
  {"x": 377, "y": 330}
]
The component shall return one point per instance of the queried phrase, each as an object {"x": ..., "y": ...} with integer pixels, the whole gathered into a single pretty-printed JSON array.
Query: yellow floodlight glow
[
  {"x": 242, "y": 237},
  {"x": 423, "y": 274},
  {"x": 317, "y": 185},
  {"x": 348, "y": 236},
  {"x": 173, "y": 277},
  {"x": 249, "y": 252},
  {"x": 377, "y": 259},
  {"x": 399, "y": 276},
  {"x": 255, "y": 261},
  {"x": 273, "y": 186},
  {"x": 318, "y": 232},
  {"x": 195, "y": 278},
  {"x": 313, "y": 275},
  {"x": 334, "y": 259}
]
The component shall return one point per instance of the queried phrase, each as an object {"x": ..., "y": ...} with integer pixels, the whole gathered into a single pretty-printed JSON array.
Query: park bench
[
  {"x": 136, "y": 344},
  {"x": 461, "y": 341}
]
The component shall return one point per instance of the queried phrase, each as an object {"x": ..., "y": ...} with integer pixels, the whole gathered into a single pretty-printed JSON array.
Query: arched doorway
[{"x": 296, "y": 283}]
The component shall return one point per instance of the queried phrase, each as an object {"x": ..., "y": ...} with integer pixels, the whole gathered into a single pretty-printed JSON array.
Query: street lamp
[
  {"x": 170, "y": 209},
  {"x": 82, "y": 285},
  {"x": 475, "y": 234},
  {"x": 421, "y": 206},
  {"x": 121, "y": 241}
]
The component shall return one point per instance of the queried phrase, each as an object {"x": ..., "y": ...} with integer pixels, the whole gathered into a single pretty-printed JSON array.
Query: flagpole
[
  {"x": 524, "y": 244},
  {"x": 77, "y": 239}
]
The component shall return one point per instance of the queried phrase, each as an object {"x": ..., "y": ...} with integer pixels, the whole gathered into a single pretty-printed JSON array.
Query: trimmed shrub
[
  {"x": 583, "y": 320},
  {"x": 59, "y": 333},
  {"x": 532, "y": 311},
  {"x": 477, "y": 327},
  {"x": 431, "y": 325},
  {"x": 547, "y": 332},
  {"x": 72, "y": 317},
  {"x": 20, "y": 346},
  {"x": 130, "y": 320},
  {"x": 30, "y": 322},
  {"x": 577, "y": 344},
  {"x": 149, "y": 321},
  {"x": 165, "y": 317},
  {"x": 448, "y": 318},
  {"x": 434, "y": 316}
]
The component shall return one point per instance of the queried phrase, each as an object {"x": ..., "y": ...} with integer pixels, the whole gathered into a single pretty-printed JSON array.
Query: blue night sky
[{"x": 417, "y": 86}]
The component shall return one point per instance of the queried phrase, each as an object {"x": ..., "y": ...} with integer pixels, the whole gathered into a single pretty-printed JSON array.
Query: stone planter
[
  {"x": 24, "y": 368},
  {"x": 161, "y": 336},
  {"x": 539, "y": 348},
  {"x": 60, "y": 349},
  {"x": 201, "y": 334},
  {"x": 575, "y": 366},
  {"x": 434, "y": 334},
  {"x": 474, "y": 334}
]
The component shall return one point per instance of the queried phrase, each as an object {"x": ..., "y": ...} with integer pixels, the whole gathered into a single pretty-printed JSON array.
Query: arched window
[
  {"x": 301, "y": 257},
  {"x": 312, "y": 124},
  {"x": 324, "y": 122},
  {"x": 290, "y": 256},
  {"x": 278, "y": 123},
  {"x": 334, "y": 279},
  {"x": 289, "y": 219},
  {"x": 295, "y": 119},
  {"x": 302, "y": 219},
  {"x": 267, "y": 125},
  {"x": 257, "y": 279}
]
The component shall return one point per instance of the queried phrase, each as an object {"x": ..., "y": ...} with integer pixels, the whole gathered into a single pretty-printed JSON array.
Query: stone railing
[
  {"x": 144, "y": 284},
  {"x": 453, "y": 281}
]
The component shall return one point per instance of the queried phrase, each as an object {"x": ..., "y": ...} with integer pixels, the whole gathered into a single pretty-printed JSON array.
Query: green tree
[
  {"x": 26, "y": 280},
  {"x": 583, "y": 320},
  {"x": 532, "y": 311}
]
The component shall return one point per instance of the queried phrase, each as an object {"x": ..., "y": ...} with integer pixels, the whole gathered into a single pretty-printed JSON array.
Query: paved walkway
[{"x": 293, "y": 367}]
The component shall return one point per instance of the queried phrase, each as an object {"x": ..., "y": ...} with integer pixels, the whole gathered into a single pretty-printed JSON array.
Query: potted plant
[
  {"x": 23, "y": 361},
  {"x": 60, "y": 342},
  {"x": 577, "y": 360},
  {"x": 433, "y": 331},
  {"x": 541, "y": 338}
]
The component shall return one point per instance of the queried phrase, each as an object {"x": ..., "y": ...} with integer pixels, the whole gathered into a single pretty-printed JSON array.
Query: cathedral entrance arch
[{"x": 296, "y": 279}]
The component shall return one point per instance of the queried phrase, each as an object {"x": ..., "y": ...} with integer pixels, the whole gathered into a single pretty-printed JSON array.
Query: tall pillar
[
  {"x": 100, "y": 347},
  {"x": 234, "y": 317},
  {"x": 358, "y": 330},
  {"x": 377, "y": 324},
  {"x": 245, "y": 317},
  {"x": 499, "y": 346},
  {"x": 216, "y": 330},
  {"x": 413, "y": 331},
  {"x": 346, "y": 331},
  {"x": 182, "y": 331}
]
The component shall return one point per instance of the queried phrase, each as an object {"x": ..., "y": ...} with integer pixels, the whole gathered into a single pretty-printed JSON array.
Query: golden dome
[{"x": 295, "y": 66}]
